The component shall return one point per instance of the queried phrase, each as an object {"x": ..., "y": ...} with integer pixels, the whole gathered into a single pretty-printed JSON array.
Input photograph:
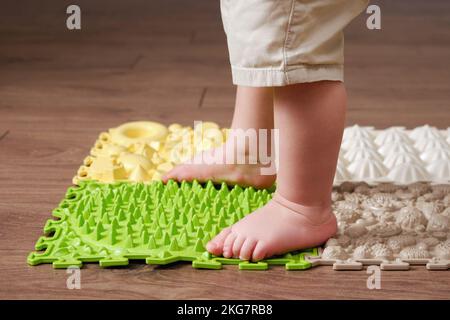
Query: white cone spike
[
  {"x": 355, "y": 154},
  {"x": 392, "y": 135},
  {"x": 357, "y": 131},
  {"x": 433, "y": 155},
  {"x": 394, "y": 159},
  {"x": 395, "y": 154},
  {"x": 426, "y": 144},
  {"x": 408, "y": 173},
  {"x": 425, "y": 131},
  {"x": 439, "y": 170},
  {"x": 396, "y": 147},
  {"x": 367, "y": 169},
  {"x": 358, "y": 143}
]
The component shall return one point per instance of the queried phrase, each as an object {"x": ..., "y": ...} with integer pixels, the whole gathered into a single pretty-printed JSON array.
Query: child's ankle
[{"x": 315, "y": 214}]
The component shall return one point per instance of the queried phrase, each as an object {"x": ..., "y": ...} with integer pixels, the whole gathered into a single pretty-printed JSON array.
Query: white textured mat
[
  {"x": 392, "y": 226},
  {"x": 392, "y": 200},
  {"x": 394, "y": 155}
]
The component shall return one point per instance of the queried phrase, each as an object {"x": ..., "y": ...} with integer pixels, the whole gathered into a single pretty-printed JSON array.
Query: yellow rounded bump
[
  {"x": 174, "y": 127},
  {"x": 138, "y": 131},
  {"x": 83, "y": 172},
  {"x": 98, "y": 145},
  {"x": 104, "y": 137},
  {"x": 95, "y": 152},
  {"x": 131, "y": 148},
  {"x": 80, "y": 178},
  {"x": 88, "y": 161},
  {"x": 131, "y": 161}
]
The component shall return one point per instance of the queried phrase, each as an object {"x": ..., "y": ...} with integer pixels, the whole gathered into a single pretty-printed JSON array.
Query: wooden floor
[{"x": 166, "y": 60}]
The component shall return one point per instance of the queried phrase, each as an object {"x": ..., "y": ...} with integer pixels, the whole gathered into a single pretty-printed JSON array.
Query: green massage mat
[{"x": 161, "y": 224}]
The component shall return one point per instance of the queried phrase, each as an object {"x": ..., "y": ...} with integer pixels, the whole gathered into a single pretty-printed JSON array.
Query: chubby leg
[
  {"x": 310, "y": 118},
  {"x": 313, "y": 116},
  {"x": 253, "y": 110}
]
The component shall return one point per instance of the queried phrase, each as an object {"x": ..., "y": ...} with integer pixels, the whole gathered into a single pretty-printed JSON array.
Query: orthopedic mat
[
  {"x": 120, "y": 210},
  {"x": 161, "y": 224},
  {"x": 391, "y": 226}
]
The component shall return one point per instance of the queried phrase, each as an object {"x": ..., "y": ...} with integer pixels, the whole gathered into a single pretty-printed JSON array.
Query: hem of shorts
[{"x": 270, "y": 77}]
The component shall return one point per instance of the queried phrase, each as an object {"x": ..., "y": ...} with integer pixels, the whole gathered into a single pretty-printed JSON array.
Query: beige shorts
[{"x": 282, "y": 42}]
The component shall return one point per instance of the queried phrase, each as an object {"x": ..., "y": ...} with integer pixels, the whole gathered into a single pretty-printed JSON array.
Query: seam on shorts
[
  {"x": 260, "y": 69},
  {"x": 314, "y": 66},
  {"x": 271, "y": 77},
  {"x": 292, "y": 67},
  {"x": 288, "y": 27}
]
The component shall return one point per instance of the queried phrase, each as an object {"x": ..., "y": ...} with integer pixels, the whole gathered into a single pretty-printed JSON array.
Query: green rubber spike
[{"x": 161, "y": 224}]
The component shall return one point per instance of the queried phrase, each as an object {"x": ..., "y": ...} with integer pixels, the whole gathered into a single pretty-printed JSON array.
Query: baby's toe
[
  {"x": 215, "y": 246},
  {"x": 169, "y": 175},
  {"x": 174, "y": 174},
  {"x": 260, "y": 251},
  {"x": 237, "y": 245},
  {"x": 247, "y": 249},
  {"x": 228, "y": 245}
]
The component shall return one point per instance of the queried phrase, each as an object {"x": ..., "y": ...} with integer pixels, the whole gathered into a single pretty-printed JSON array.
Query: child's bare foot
[
  {"x": 242, "y": 174},
  {"x": 253, "y": 110},
  {"x": 274, "y": 229}
]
